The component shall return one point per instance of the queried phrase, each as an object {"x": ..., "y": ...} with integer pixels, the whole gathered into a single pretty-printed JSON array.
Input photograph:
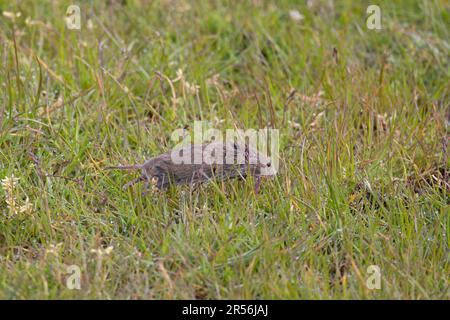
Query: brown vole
[{"x": 201, "y": 163}]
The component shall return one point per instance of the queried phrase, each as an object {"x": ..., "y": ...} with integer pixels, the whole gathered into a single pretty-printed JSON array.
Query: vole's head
[
  {"x": 155, "y": 166},
  {"x": 260, "y": 164}
]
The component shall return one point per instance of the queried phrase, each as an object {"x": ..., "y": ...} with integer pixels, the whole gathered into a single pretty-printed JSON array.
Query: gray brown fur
[{"x": 166, "y": 171}]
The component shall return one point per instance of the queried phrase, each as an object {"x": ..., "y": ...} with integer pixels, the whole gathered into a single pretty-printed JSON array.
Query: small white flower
[
  {"x": 317, "y": 118},
  {"x": 218, "y": 121},
  {"x": 296, "y": 15},
  {"x": 11, "y": 15},
  {"x": 54, "y": 249},
  {"x": 15, "y": 205},
  {"x": 154, "y": 184},
  {"x": 8, "y": 183},
  {"x": 90, "y": 24},
  {"x": 26, "y": 207},
  {"x": 11, "y": 202},
  {"x": 294, "y": 124},
  {"x": 177, "y": 101},
  {"x": 101, "y": 252},
  {"x": 214, "y": 80},
  {"x": 191, "y": 88},
  {"x": 180, "y": 75}
]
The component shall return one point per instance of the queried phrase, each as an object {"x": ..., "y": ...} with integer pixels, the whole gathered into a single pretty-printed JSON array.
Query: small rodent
[{"x": 203, "y": 164}]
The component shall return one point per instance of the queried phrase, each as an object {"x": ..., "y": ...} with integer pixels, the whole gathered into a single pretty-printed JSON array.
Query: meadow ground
[{"x": 363, "y": 117}]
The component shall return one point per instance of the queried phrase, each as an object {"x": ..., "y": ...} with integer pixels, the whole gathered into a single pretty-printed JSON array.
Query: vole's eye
[{"x": 269, "y": 164}]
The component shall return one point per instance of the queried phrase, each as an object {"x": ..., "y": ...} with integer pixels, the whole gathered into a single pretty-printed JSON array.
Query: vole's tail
[{"x": 132, "y": 167}]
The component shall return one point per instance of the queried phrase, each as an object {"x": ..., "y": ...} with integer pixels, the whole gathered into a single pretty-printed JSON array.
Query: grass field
[{"x": 363, "y": 117}]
